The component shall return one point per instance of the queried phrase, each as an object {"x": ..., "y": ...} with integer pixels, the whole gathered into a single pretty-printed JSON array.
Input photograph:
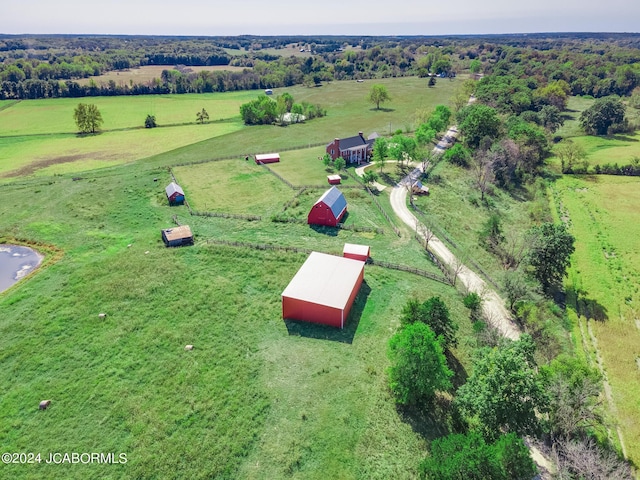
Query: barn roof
[
  {"x": 334, "y": 199},
  {"x": 177, "y": 233},
  {"x": 354, "y": 249},
  {"x": 325, "y": 280},
  {"x": 172, "y": 188},
  {"x": 266, "y": 156}
]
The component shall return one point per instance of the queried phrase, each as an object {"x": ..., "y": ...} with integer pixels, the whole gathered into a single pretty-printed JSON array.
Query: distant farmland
[{"x": 148, "y": 73}]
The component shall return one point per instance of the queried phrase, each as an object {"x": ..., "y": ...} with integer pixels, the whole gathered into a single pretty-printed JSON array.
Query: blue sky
[{"x": 330, "y": 17}]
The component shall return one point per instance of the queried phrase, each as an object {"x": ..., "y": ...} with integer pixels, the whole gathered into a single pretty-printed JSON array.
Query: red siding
[
  {"x": 321, "y": 214},
  {"x": 296, "y": 309},
  {"x": 333, "y": 149}
]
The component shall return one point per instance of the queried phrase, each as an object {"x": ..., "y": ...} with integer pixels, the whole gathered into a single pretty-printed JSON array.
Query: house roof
[
  {"x": 173, "y": 188},
  {"x": 325, "y": 280},
  {"x": 351, "y": 142},
  {"x": 357, "y": 141},
  {"x": 177, "y": 233},
  {"x": 334, "y": 199}
]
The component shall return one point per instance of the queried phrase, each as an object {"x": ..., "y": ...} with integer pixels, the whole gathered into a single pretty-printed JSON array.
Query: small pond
[{"x": 15, "y": 263}]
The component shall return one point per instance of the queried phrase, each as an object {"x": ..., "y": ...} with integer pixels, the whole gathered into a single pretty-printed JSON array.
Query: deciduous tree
[
  {"x": 202, "y": 116},
  {"x": 469, "y": 457},
  {"x": 150, "y": 122},
  {"x": 418, "y": 365},
  {"x": 433, "y": 312},
  {"x": 550, "y": 253},
  {"x": 478, "y": 121},
  {"x": 380, "y": 152},
  {"x": 504, "y": 392},
  {"x": 87, "y": 117},
  {"x": 604, "y": 113},
  {"x": 378, "y": 95}
]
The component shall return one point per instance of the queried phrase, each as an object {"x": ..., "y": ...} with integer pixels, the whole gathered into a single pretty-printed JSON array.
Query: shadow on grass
[
  {"x": 459, "y": 373},
  {"x": 622, "y": 138},
  {"x": 585, "y": 307},
  {"x": 432, "y": 419},
  {"x": 325, "y": 332},
  {"x": 382, "y": 109},
  {"x": 388, "y": 180},
  {"x": 329, "y": 231}
]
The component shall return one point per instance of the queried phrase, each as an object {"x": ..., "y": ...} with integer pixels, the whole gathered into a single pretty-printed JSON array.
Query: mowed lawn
[
  {"x": 605, "y": 274},
  {"x": 233, "y": 186}
]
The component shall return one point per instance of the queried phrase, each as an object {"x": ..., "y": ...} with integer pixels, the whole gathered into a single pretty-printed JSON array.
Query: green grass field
[
  {"x": 605, "y": 278},
  {"x": 256, "y": 398},
  {"x": 38, "y": 136}
]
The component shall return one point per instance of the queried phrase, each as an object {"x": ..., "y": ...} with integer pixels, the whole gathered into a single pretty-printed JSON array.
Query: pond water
[{"x": 15, "y": 263}]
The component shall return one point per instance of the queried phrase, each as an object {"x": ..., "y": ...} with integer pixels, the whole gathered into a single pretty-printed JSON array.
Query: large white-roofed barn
[{"x": 323, "y": 290}]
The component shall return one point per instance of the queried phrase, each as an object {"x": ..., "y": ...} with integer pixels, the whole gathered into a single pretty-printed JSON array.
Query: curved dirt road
[{"x": 492, "y": 306}]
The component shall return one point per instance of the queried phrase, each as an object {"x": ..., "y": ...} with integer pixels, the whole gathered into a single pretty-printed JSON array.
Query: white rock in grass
[
  {"x": 188, "y": 347},
  {"x": 44, "y": 404}
]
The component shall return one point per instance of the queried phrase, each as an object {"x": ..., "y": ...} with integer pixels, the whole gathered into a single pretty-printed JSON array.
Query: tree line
[{"x": 41, "y": 67}]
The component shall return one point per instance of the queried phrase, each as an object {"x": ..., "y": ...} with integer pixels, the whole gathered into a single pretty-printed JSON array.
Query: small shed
[
  {"x": 329, "y": 209},
  {"x": 267, "y": 158},
  {"x": 175, "y": 194},
  {"x": 356, "y": 252},
  {"x": 323, "y": 290},
  {"x": 419, "y": 189},
  {"x": 177, "y": 236},
  {"x": 334, "y": 179}
]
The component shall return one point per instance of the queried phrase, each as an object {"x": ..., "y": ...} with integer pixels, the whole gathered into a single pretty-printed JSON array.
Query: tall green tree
[
  {"x": 549, "y": 255},
  {"x": 478, "y": 121},
  {"x": 380, "y": 152},
  {"x": 433, "y": 312},
  {"x": 504, "y": 392},
  {"x": 378, "y": 95},
  {"x": 604, "y": 113},
  {"x": 418, "y": 365},
  {"x": 469, "y": 457},
  {"x": 87, "y": 118},
  {"x": 202, "y": 116}
]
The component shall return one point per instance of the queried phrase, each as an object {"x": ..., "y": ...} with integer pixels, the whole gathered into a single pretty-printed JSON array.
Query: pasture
[
  {"x": 603, "y": 284},
  {"x": 37, "y": 134},
  {"x": 257, "y": 397},
  {"x": 149, "y": 73}
]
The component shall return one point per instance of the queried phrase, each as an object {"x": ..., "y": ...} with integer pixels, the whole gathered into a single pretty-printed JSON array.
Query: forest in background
[{"x": 33, "y": 66}]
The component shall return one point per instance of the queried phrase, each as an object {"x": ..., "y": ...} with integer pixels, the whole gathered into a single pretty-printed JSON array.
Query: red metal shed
[
  {"x": 329, "y": 209},
  {"x": 267, "y": 158},
  {"x": 334, "y": 179},
  {"x": 323, "y": 290},
  {"x": 356, "y": 252}
]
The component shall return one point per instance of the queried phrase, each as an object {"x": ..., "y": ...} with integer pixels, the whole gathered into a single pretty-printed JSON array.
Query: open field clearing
[
  {"x": 148, "y": 73},
  {"x": 233, "y": 186},
  {"x": 60, "y": 153},
  {"x": 28, "y": 126},
  {"x": 268, "y": 399},
  {"x": 604, "y": 284},
  {"x": 620, "y": 149}
]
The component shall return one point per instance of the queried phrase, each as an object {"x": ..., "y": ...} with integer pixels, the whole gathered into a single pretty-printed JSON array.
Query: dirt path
[{"x": 493, "y": 306}]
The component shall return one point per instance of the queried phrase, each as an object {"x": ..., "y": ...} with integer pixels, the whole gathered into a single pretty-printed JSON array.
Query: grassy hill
[{"x": 257, "y": 397}]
